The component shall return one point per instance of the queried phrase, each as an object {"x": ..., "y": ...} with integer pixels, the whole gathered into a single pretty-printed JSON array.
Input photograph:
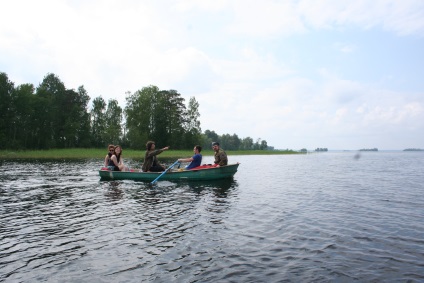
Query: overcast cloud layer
[{"x": 299, "y": 74}]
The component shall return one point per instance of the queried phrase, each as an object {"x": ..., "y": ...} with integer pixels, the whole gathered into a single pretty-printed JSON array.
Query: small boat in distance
[{"x": 204, "y": 172}]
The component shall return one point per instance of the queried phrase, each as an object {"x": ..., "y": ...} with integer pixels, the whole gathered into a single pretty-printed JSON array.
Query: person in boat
[
  {"x": 151, "y": 163},
  {"x": 195, "y": 160},
  {"x": 116, "y": 162},
  {"x": 221, "y": 158},
  {"x": 111, "y": 148}
]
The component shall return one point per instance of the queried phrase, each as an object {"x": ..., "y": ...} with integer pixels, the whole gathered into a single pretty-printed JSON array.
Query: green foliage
[
  {"x": 98, "y": 122},
  {"x": 113, "y": 120},
  {"x": 6, "y": 110},
  {"x": 246, "y": 143},
  {"x": 138, "y": 123},
  {"x": 45, "y": 117},
  {"x": 233, "y": 142},
  {"x": 156, "y": 115},
  {"x": 52, "y": 116},
  {"x": 193, "y": 133},
  {"x": 23, "y": 111}
]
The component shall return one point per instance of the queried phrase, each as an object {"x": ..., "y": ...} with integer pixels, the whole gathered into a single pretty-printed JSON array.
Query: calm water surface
[{"x": 327, "y": 217}]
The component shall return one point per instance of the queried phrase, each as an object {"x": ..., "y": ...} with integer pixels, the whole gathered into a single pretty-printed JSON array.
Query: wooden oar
[{"x": 157, "y": 178}]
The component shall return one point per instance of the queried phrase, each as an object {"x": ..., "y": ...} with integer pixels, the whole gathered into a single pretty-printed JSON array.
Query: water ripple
[{"x": 320, "y": 218}]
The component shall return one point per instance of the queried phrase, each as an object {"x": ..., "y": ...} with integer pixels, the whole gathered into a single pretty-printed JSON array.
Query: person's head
[
  {"x": 118, "y": 150},
  {"x": 197, "y": 148},
  {"x": 215, "y": 146},
  {"x": 111, "y": 149},
  {"x": 150, "y": 145}
]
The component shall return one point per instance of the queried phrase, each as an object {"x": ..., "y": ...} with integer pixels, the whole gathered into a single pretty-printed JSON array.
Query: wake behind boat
[{"x": 204, "y": 172}]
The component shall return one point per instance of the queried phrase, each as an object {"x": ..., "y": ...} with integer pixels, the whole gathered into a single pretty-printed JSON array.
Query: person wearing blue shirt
[{"x": 195, "y": 160}]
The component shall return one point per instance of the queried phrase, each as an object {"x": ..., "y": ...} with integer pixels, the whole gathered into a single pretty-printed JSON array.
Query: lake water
[{"x": 326, "y": 217}]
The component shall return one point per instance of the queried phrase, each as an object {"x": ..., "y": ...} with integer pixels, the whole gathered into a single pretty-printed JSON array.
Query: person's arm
[
  {"x": 122, "y": 166},
  {"x": 115, "y": 161},
  {"x": 216, "y": 160},
  {"x": 153, "y": 153},
  {"x": 156, "y": 152},
  {"x": 223, "y": 159},
  {"x": 186, "y": 159},
  {"x": 106, "y": 160}
]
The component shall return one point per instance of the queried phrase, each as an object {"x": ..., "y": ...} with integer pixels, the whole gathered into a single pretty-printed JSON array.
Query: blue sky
[{"x": 299, "y": 74}]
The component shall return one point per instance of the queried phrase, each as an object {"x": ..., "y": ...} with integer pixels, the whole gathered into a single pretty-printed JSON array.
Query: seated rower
[{"x": 195, "y": 160}]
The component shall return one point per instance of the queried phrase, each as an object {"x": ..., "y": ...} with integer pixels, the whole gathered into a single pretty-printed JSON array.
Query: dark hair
[
  {"x": 111, "y": 146},
  {"x": 198, "y": 147},
  {"x": 149, "y": 144},
  {"x": 215, "y": 143},
  {"x": 118, "y": 157}
]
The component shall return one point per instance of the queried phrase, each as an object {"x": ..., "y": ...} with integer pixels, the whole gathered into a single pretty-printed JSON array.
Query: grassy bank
[{"x": 81, "y": 153}]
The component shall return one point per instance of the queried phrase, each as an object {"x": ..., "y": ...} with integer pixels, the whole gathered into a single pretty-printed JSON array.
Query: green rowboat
[{"x": 203, "y": 173}]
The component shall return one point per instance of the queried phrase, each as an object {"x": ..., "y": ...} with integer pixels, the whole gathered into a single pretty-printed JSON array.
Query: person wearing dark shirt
[
  {"x": 111, "y": 148},
  {"x": 151, "y": 163},
  {"x": 221, "y": 158},
  {"x": 195, "y": 160}
]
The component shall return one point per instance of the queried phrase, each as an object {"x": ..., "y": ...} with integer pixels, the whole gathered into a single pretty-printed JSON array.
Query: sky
[{"x": 336, "y": 74}]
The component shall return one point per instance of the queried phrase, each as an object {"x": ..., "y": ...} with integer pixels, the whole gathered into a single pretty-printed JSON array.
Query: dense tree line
[
  {"x": 49, "y": 116},
  {"x": 52, "y": 116}
]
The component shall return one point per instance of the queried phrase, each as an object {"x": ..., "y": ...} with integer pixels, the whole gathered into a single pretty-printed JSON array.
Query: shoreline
[{"x": 88, "y": 153}]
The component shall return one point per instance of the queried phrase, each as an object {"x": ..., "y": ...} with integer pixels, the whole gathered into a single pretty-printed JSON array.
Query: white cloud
[
  {"x": 265, "y": 19},
  {"x": 402, "y": 17},
  {"x": 345, "y": 47},
  {"x": 245, "y": 62}
]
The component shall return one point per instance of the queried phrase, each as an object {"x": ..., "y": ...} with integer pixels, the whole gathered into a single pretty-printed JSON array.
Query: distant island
[
  {"x": 369, "y": 149},
  {"x": 413, "y": 149},
  {"x": 321, "y": 149}
]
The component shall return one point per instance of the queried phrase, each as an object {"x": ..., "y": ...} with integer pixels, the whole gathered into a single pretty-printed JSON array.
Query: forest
[{"x": 52, "y": 116}]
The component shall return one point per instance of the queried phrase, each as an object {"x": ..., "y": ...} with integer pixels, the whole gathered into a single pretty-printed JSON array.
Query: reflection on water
[
  {"x": 322, "y": 217},
  {"x": 219, "y": 187},
  {"x": 113, "y": 191}
]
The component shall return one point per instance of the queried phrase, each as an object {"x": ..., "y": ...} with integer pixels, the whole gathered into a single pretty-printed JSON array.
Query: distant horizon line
[{"x": 365, "y": 150}]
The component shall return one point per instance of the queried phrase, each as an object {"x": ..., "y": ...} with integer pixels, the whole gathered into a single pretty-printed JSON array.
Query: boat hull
[{"x": 213, "y": 173}]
